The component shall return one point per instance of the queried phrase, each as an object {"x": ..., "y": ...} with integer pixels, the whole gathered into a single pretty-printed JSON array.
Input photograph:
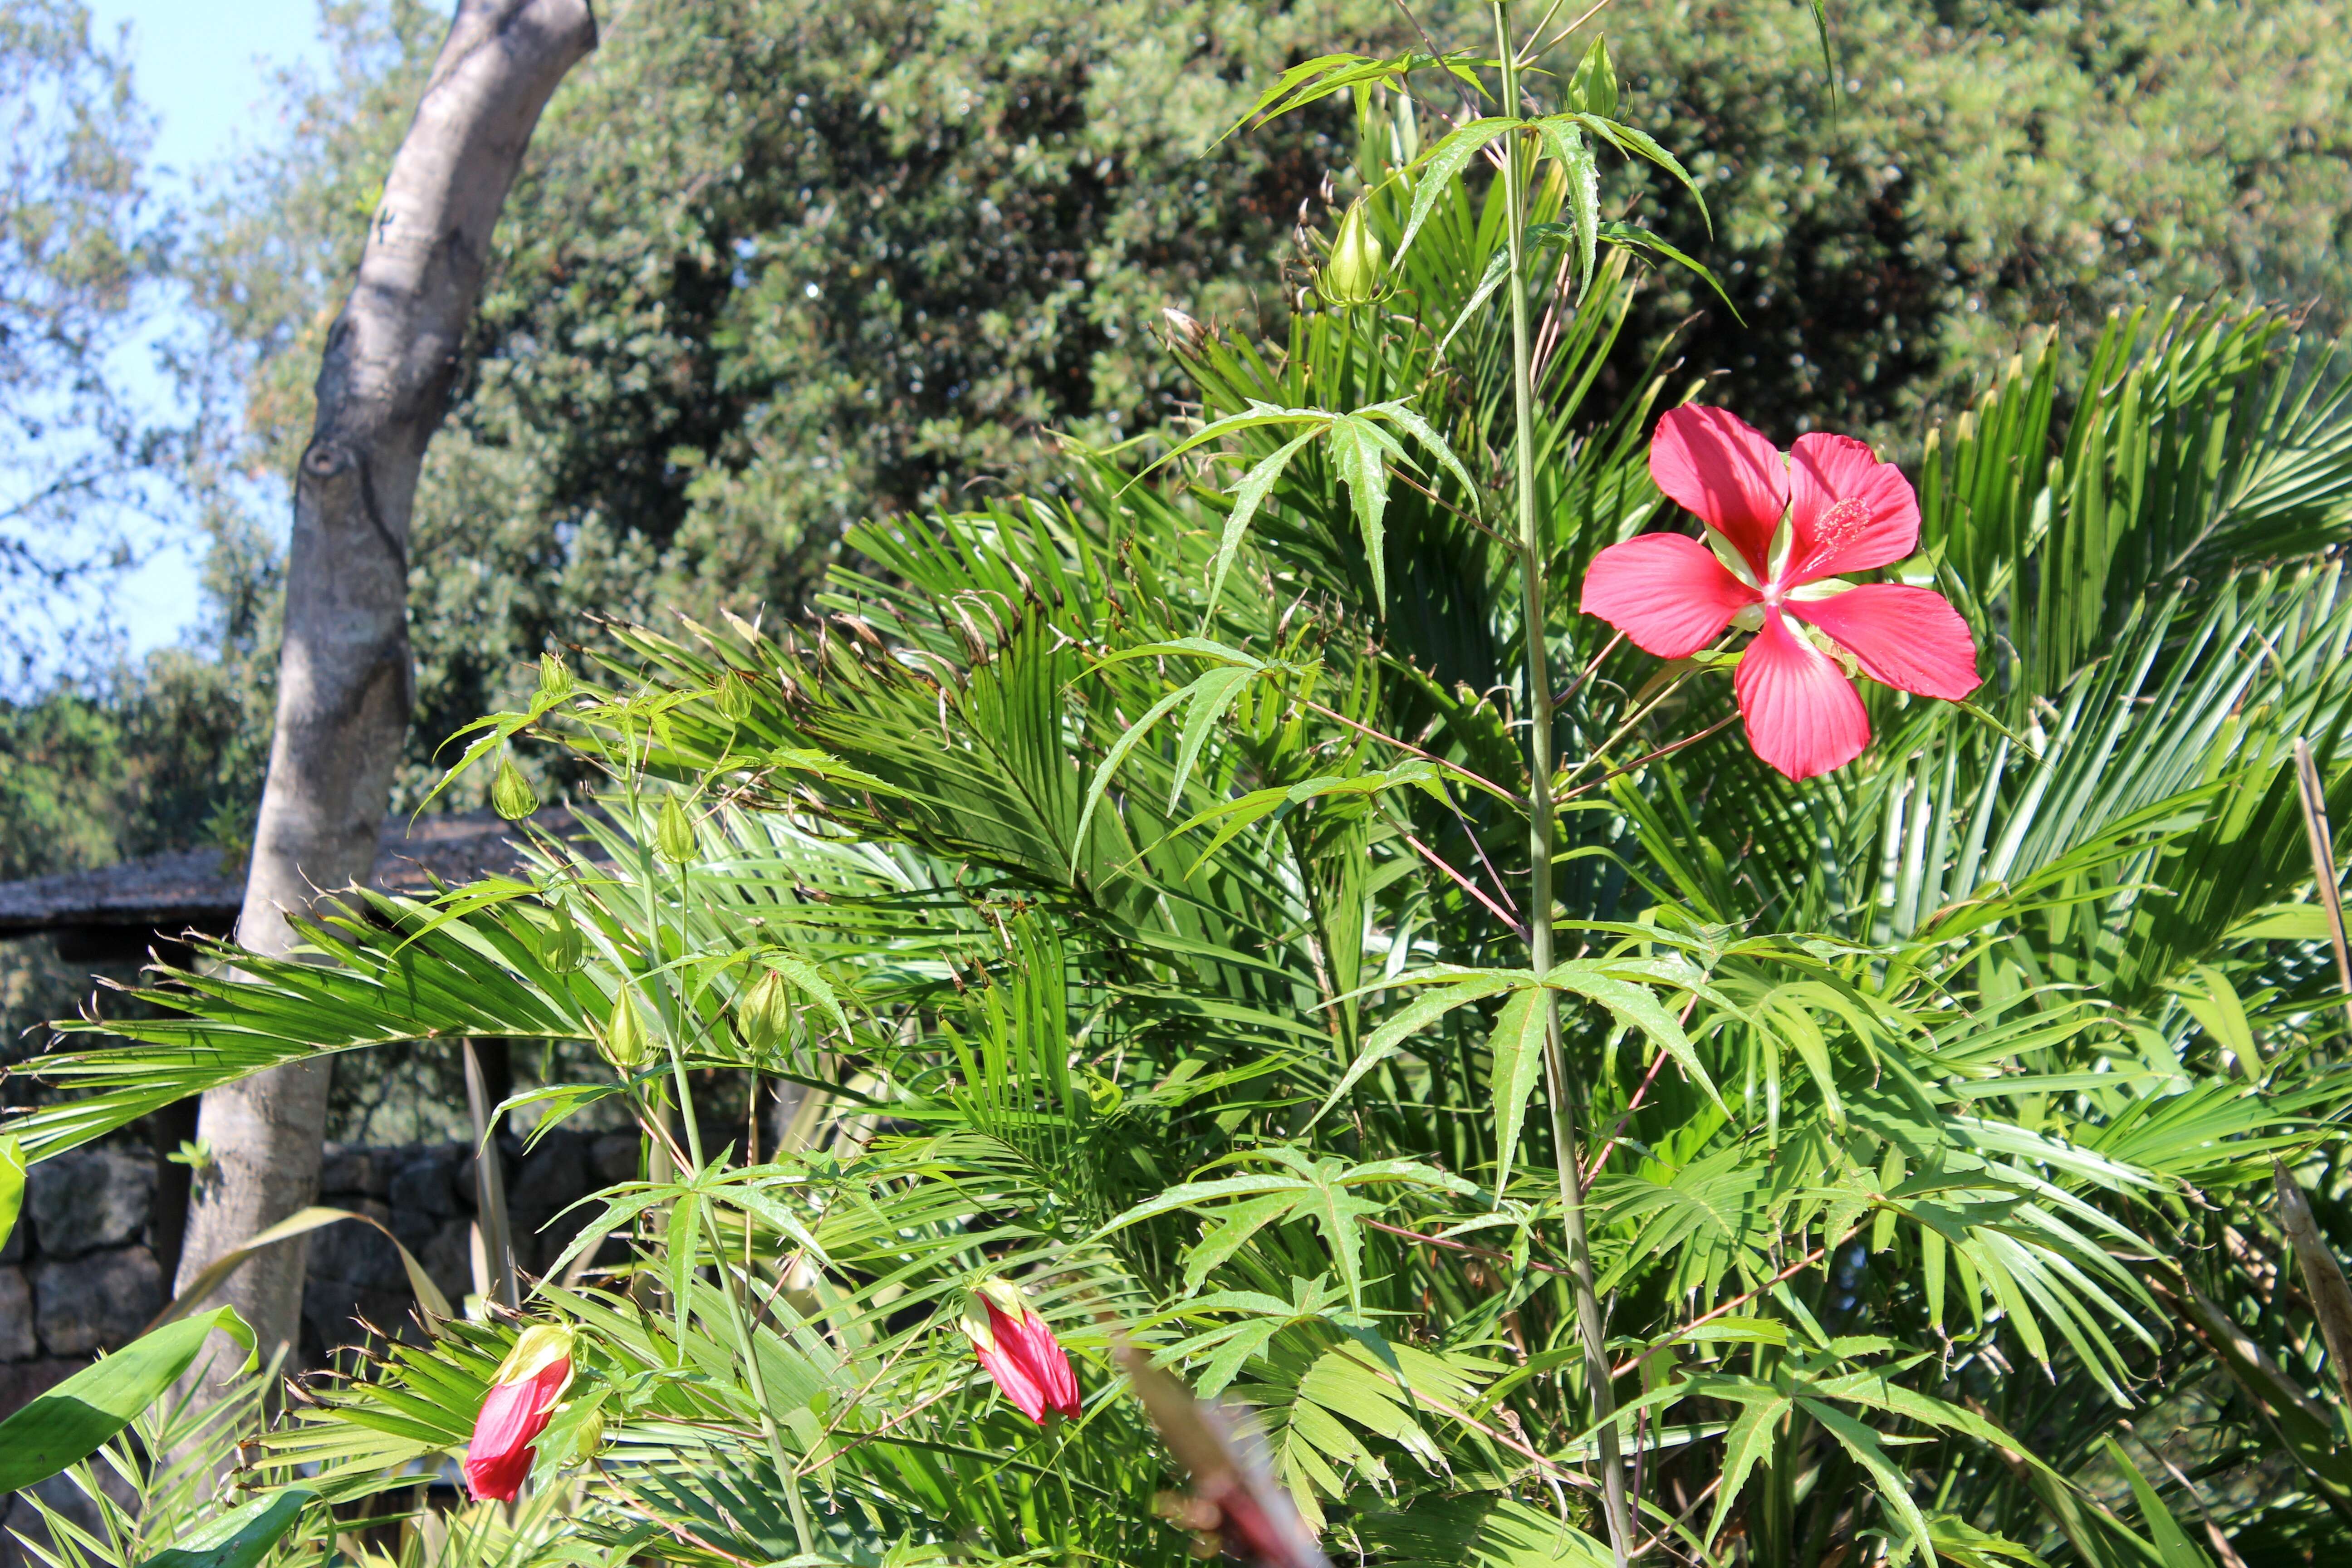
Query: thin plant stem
[
  {"x": 786, "y": 1473},
  {"x": 1566, "y": 1138},
  {"x": 1485, "y": 784},
  {"x": 1517, "y": 928},
  {"x": 1669, "y": 749},
  {"x": 1791, "y": 1272}
]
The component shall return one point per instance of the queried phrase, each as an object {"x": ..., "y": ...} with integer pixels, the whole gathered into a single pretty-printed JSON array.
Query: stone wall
[{"x": 79, "y": 1274}]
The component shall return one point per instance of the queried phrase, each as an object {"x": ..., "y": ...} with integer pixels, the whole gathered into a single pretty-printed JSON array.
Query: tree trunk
[{"x": 343, "y": 688}]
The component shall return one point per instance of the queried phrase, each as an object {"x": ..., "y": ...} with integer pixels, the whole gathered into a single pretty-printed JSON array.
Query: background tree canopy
[{"x": 776, "y": 266}]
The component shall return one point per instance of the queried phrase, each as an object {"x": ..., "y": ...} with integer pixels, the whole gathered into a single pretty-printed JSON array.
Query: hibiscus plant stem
[{"x": 1567, "y": 1140}]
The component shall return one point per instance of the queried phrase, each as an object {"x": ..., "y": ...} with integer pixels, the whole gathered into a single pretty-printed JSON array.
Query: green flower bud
[
  {"x": 555, "y": 682},
  {"x": 591, "y": 1437},
  {"x": 734, "y": 697},
  {"x": 766, "y": 1010},
  {"x": 674, "y": 834},
  {"x": 565, "y": 947},
  {"x": 511, "y": 794},
  {"x": 1593, "y": 88},
  {"x": 1351, "y": 276},
  {"x": 623, "y": 1044}
]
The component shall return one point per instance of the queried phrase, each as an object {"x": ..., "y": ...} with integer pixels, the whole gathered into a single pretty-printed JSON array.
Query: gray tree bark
[{"x": 343, "y": 685}]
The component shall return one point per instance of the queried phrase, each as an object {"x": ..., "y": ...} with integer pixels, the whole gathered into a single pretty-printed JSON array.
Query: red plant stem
[
  {"x": 1518, "y": 927},
  {"x": 1577, "y": 684},
  {"x": 1634, "y": 1104},
  {"x": 1458, "y": 1246},
  {"x": 1592, "y": 1168},
  {"x": 1658, "y": 1536},
  {"x": 1483, "y": 783},
  {"x": 1798, "y": 1267},
  {"x": 1666, "y": 751}
]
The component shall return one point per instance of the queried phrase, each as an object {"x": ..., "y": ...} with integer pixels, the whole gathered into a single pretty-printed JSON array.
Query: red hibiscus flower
[
  {"x": 1019, "y": 1351},
  {"x": 1779, "y": 532},
  {"x": 523, "y": 1397}
]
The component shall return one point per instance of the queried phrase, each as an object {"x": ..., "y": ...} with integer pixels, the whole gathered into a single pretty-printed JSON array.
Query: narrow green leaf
[
  {"x": 1446, "y": 161},
  {"x": 240, "y": 1537},
  {"x": 1116, "y": 755},
  {"x": 1748, "y": 1440},
  {"x": 1637, "y": 1009},
  {"x": 1421, "y": 1011},
  {"x": 1362, "y": 463},
  {"x": 1633, "y": 237},
  {"x": 1893, "y": 1486},
  {"x": 1247, "y": 496},
  {"x": 1582, "y": 171},
  {"x": 68, "y": 1422},
  {"x": 12, "y": 1184},
  {"x": 1517, "y": 1044},
  {"x": 1212, "y": 695}
]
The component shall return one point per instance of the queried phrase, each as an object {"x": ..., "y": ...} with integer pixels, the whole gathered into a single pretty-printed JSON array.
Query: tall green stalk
[{"x": 1567, "y": 1136}]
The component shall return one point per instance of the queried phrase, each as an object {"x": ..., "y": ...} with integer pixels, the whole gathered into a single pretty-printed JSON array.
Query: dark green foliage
[
  {"x": 772, "y": 269},
  {"x": 1994, "y": 167}
]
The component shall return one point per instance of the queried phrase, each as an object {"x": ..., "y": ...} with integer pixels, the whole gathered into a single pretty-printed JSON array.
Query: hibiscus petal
[
  {"x": 1849, "y": 511},
  {"x": 1015, "y": 1380},
  {"x": 513, "y": 1417},
  {"x": 1803, "y": 715},
  {"x": 1012, "y": 1363},
  {"x": 1667, "y": 593},
  {"x": 1720, "y": 467},
  {"x": 1905, "y": 637},
  {"x": 1050, "y": 1364}
]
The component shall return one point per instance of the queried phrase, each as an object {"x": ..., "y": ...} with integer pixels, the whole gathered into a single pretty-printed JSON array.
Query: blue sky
[{"x": 203, "y": 68}]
